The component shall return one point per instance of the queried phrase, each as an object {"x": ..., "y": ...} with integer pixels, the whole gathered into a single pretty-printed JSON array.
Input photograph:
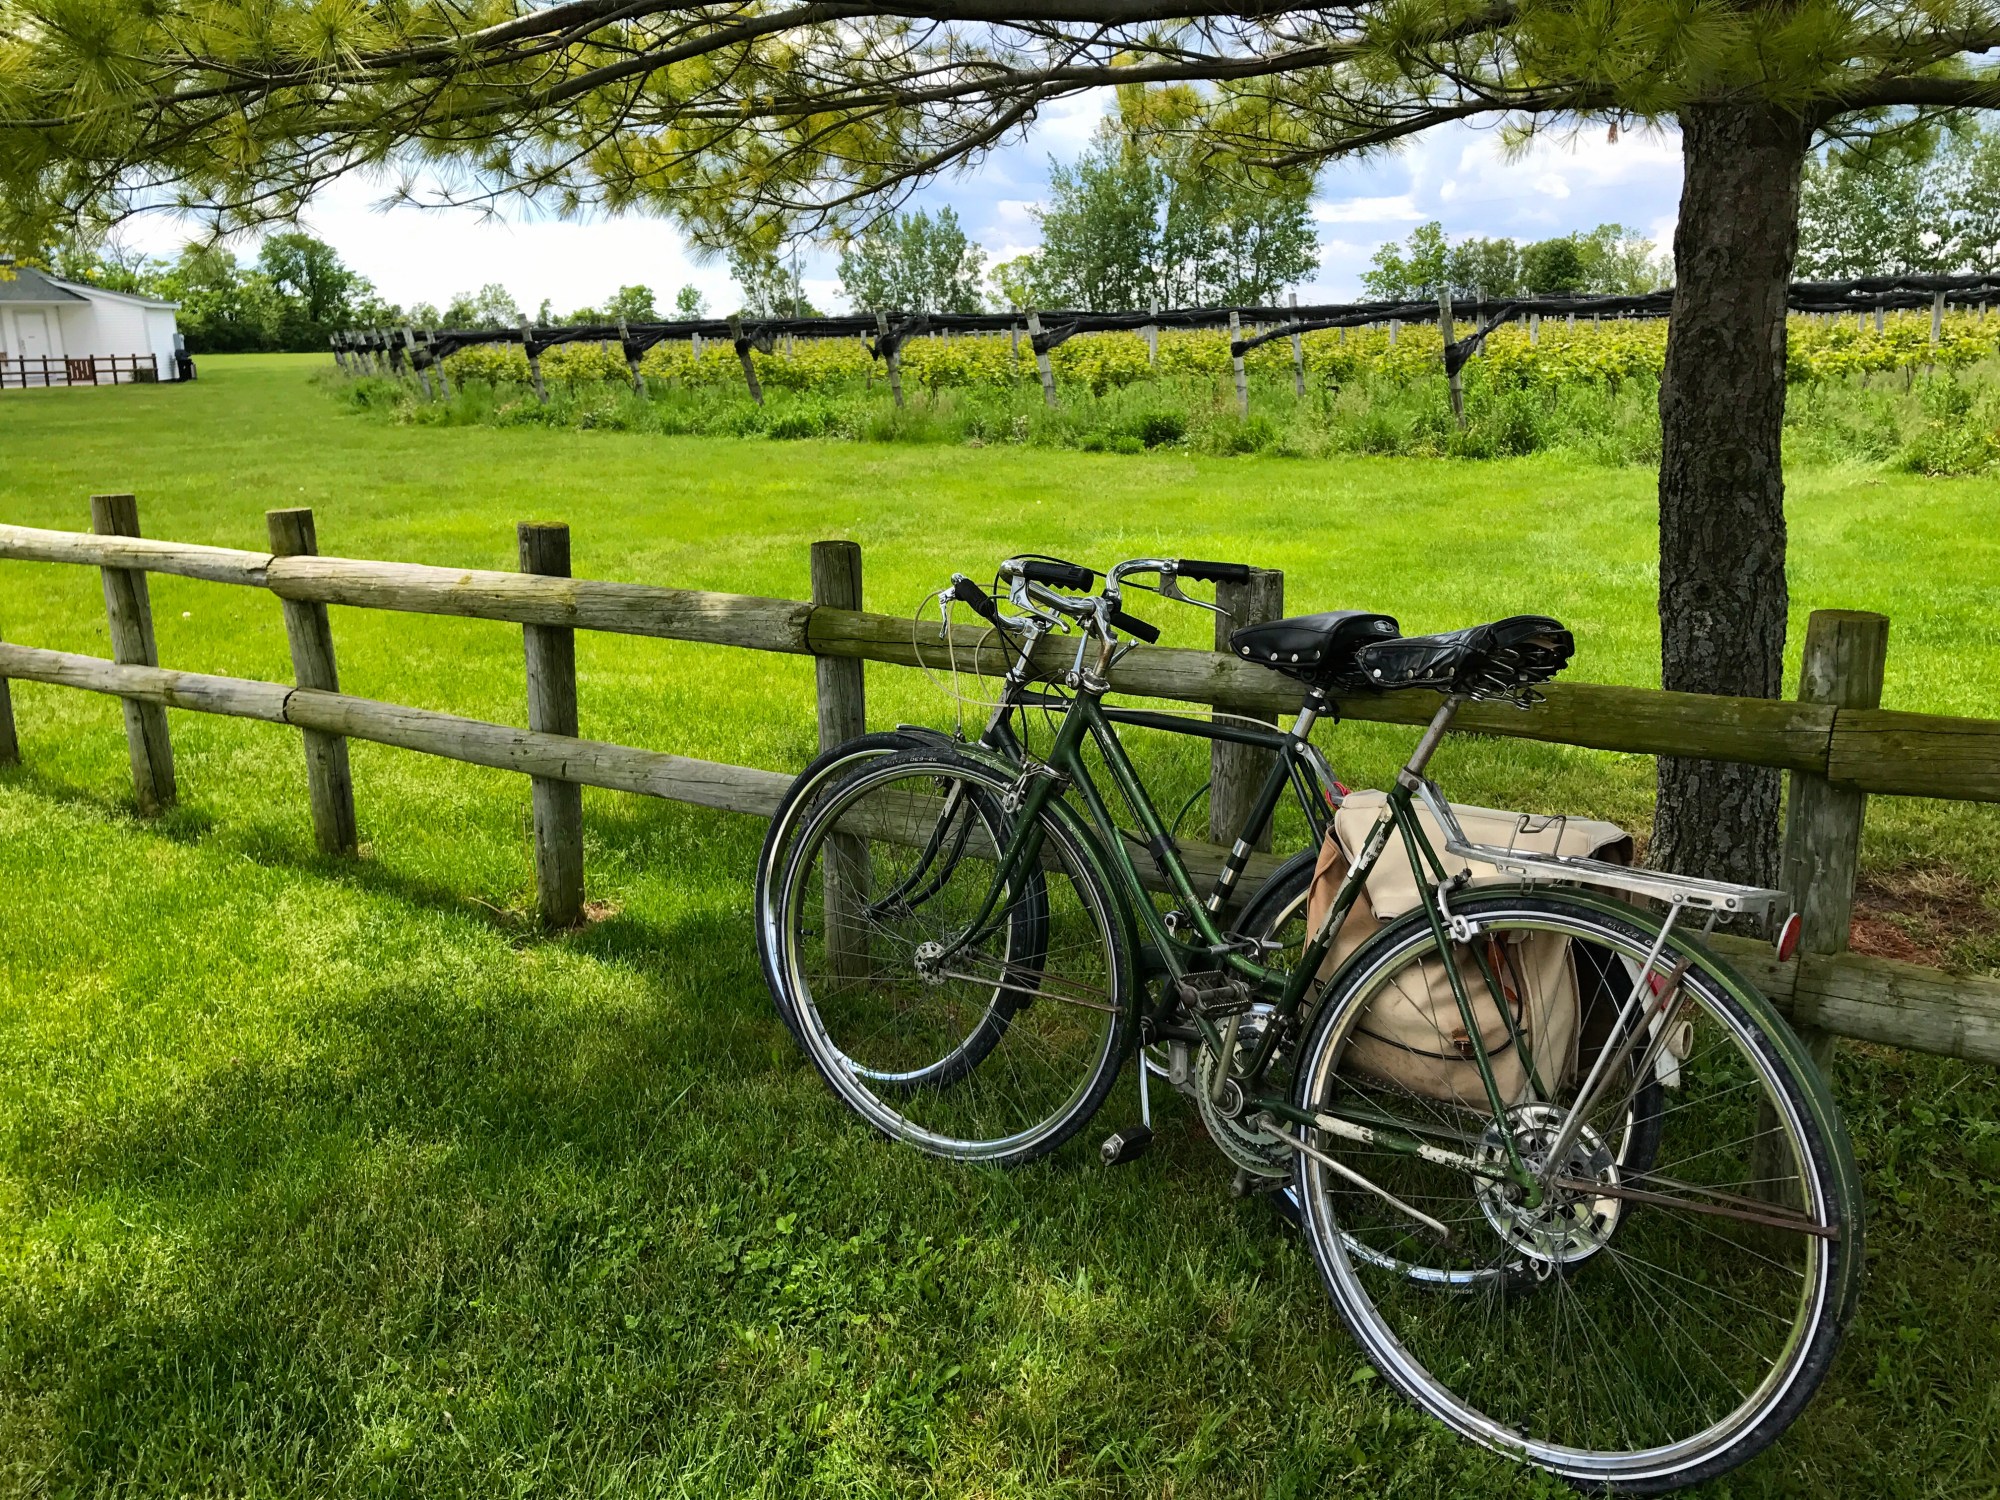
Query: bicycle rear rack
[{"x": 1679, "y": 890}]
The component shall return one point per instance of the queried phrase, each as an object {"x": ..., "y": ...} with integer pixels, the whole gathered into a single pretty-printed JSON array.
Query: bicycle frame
[
  {"x": 1088, "y": 720},
  {"x": 1208, "y": 949}
]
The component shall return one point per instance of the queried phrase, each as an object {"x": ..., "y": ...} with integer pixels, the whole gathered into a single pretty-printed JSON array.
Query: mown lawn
[{"x": 340, "y": 1178}]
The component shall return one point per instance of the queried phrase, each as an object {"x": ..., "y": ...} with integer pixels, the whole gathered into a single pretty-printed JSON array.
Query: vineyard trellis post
[
  {"x": 1043, "y": 368},
  {"x": 892, "y": 356},
  {"x": 444, "y": 381},
  {"x": 631, "y": 359},
  {"x": 309, "y": 633},
  {"x": 410, "y": 352},
  {"x": 534, "y": 363},
  {"x": 1453, "y": 376},
  {"x": 1236, "y": 364},
  {"x": 552, "y": 709},
  {"x": 128, "y": 609},
  {"x": 1237, "y": 772},
  {"x": 1298, "y": 352},
  {"x": 749, "y": 367}
]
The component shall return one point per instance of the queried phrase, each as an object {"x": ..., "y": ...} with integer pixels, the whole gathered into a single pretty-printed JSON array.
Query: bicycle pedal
[
  {"x": 1126, "y": 1145},
  {"x": 1213, "y": 993}
]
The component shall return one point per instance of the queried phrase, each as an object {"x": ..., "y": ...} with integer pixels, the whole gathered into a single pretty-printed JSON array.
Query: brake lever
[{"x": 1170, "y": 587}]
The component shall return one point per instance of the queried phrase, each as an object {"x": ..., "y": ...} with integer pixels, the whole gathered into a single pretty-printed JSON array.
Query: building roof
[
  {"x": 27, "y": 285},
  {"x": 87, "y": 291}
]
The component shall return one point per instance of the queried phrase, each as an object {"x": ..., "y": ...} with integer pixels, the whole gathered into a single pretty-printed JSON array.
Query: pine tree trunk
[{"x": 1722, "y": 486}]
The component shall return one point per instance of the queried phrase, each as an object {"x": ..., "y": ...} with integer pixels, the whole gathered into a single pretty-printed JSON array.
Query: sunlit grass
[{"x": 322, "y": 1177}]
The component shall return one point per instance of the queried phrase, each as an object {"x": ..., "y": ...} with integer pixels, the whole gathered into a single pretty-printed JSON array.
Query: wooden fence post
[
  {"x": 1237, "y": 772},
  {"x": 129, "y": 609},
  {"x": 551, "y": 653},
  {"x": 1298, "y": 352},
  {"x": 1842, "y": 666},
  {"x": 329, "y": 783},
  {"x": 1236, "y": 364},
  {"x": 836, "y": 583},
  {"x": 10, "y": 742},
  {"x": 1152, "y": 333},
  {"x": 1043, "y": 368},
  {"x": 534, "y": 364}
]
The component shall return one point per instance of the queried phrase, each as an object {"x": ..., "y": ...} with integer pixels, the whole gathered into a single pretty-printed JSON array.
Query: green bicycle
[{"x": 1602, "y": 1218}]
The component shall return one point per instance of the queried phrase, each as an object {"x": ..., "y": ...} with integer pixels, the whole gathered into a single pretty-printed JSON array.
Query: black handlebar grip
[
  {"x": 1133, "y": 626},
  {"x": 1062, "y": 575},
  {"x": 975, "y": 599},
  {"x": 1214, "y": 572}
]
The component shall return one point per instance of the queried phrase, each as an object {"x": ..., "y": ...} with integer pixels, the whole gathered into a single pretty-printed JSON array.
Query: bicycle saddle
[
  {"x": 1314, "y": 647},
  {"x": 1494, "y": 659}
]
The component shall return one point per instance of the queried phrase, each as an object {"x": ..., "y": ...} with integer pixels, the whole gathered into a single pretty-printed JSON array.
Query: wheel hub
[
  {"x": 1569, "y": 1224},
  {"x": 929, "y": 961}
]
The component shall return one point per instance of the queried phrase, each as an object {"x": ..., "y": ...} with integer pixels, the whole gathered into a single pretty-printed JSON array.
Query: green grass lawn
[{"x": 323, "y": 1177}]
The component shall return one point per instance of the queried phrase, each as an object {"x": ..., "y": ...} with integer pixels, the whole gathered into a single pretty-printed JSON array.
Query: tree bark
[{"x": 1722, "y": 488}]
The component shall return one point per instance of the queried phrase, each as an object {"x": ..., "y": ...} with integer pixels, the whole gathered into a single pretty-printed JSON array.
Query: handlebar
[
  {"x": 975, "y": 598},
  {"x": 1213, "y": 572},
  {"x": 1056, "y": 573},
  {"x": 1030, "y": 581}
]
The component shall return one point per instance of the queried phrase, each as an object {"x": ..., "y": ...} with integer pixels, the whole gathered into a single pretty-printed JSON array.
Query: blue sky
[{"x": 1459, "y": 175}]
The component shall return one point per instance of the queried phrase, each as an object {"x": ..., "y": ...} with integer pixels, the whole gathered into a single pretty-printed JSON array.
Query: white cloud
[
  {"x": 1552, "y": 185},
  {"x": 1399, "y": 209}
]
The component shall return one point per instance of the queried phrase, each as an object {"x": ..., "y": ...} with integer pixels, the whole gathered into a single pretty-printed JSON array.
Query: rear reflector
[{"x": 1788, "y": 937}]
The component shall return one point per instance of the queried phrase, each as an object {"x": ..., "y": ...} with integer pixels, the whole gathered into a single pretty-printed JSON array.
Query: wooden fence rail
[{"x": 1839, "y": 746}]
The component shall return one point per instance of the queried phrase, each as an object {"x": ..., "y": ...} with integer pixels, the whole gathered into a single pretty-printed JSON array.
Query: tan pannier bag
[{"x": 1413, "y": 1034}]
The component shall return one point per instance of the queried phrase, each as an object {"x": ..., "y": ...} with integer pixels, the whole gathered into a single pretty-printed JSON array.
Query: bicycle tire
[
  {"x": 1821, "y": 1232},
  {"x": 893, "y": 1006}
]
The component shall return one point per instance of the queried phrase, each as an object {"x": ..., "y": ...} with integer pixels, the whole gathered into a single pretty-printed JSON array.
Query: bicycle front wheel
[
  {"x": 1666, "y": 1291},
  {"x": 972, "y": 1010}
]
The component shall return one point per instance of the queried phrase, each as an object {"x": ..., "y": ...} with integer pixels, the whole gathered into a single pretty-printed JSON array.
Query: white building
[{"x": 55, "y": 332}]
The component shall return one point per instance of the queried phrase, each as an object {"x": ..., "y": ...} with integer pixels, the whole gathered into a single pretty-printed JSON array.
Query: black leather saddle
[
  {"x": 1317, "y": 648},
  {"x": 1495, "y": 659}
]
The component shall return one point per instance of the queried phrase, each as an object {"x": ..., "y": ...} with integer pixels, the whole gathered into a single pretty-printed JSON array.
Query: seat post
[
  {"x": 1412, "y": 773},
  {"x": 1308, "y": 714}
]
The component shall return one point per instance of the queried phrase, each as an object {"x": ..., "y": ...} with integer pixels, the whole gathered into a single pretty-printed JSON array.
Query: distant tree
[
  {"x": 1621, "y": 260},
  {"x": 1141, "y": 218},
  {"x": 1553, "y": 267},
  {"x": 1916, "y": 203},
  {"x": 1610, "y": 258},
  {"x": 223, "y": 309},
  {"x": 770, "y": 286},
  {"x": 689, "y": 303},
  {"x": 1411, "y": 272},
  {"x": 1017, "y": 282},
  {"x": 1485, "y": 267},
  {"x": 633, "y": 304},
  {"x": 913, "y": 263},
  {"x": 492, "y": 306},
  {"x": 317, "y": 291}
]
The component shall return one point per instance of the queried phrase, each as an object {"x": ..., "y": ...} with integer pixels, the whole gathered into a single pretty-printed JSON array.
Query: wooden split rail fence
[{"x": 1836, "y": 741}]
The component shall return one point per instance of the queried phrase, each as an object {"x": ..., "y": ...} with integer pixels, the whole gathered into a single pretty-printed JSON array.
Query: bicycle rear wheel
[
  {"x": 1677, "y": 1295},
  {"x": 973, "y": 1018}
]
